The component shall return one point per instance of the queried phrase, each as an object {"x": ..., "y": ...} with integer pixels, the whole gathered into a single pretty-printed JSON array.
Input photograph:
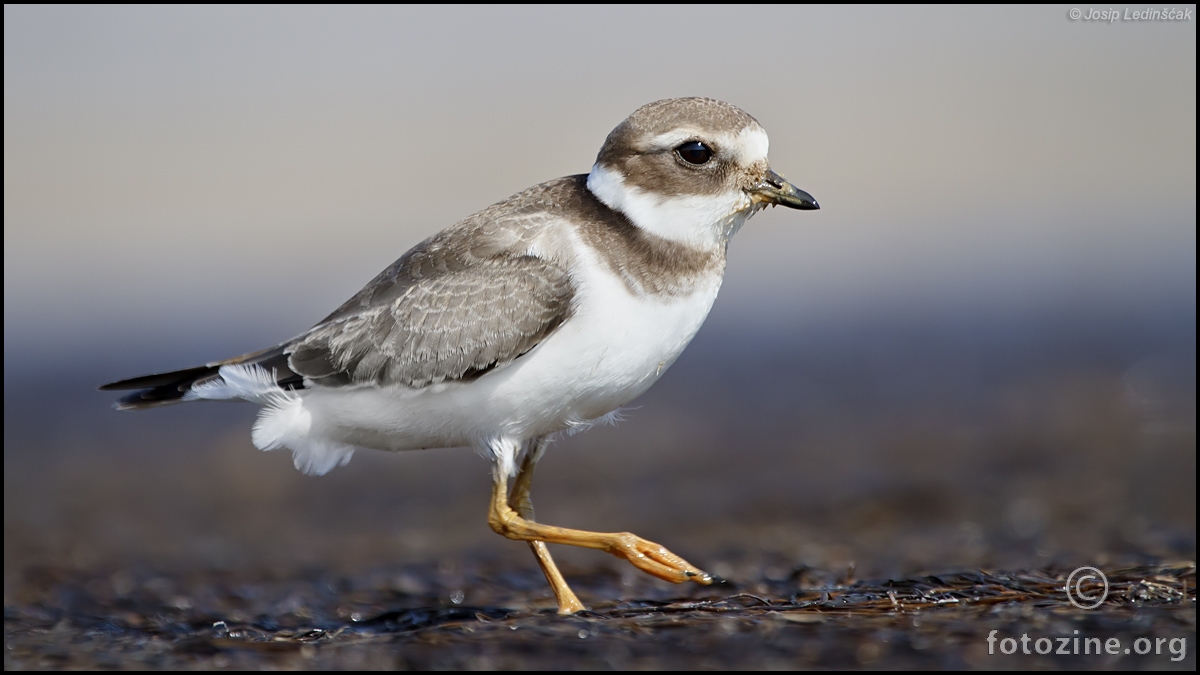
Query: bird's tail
[{"x": 203, "y": 381}]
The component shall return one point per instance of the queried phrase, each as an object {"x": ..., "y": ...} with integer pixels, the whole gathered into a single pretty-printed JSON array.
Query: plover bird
[{"x": 540, "y": 314}]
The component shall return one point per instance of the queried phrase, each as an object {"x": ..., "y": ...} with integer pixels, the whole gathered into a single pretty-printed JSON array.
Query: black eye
[{"x": 694, "y": 152}]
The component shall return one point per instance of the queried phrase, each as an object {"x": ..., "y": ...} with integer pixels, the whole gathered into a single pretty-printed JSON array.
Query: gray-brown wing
[{"x": 419, "y": 324}]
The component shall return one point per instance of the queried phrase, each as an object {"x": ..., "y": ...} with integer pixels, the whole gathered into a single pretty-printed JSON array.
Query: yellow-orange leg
[
  {"x": 520, "y": 502},
  {"x": 646, "y": 555}
]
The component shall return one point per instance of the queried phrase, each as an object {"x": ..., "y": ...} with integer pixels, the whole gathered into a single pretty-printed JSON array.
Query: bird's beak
[{"x": 774, "y": 189}]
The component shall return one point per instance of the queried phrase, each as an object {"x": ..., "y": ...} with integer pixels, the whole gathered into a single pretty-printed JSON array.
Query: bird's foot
[{"x": 655, "y": 559}]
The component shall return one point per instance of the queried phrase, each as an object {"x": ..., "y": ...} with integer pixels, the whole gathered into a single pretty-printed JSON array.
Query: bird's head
[{"x": 691, "y": 170}]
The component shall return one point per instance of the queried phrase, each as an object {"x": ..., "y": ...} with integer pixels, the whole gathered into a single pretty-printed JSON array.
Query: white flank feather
[
  {"x": 247, "y": 382},
  {"x": 283, "y": 422}
]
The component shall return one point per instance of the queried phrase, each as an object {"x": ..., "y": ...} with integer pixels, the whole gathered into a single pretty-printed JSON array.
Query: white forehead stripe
[
  {"x": 747, "y": 146},
  {"x": 751, "y": 144}
]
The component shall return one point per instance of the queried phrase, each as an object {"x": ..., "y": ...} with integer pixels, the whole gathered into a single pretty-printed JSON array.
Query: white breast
[{"x": 612, "y": 349}]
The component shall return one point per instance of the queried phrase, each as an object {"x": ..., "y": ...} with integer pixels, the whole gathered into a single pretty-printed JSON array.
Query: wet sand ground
[{"x": 124, "y": 621}]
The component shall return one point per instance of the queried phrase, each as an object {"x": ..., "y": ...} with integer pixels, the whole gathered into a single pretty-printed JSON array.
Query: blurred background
[{"x": 980, "y": 352}]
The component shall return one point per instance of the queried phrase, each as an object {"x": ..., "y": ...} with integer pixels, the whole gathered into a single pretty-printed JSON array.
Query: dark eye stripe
[{"x": 694, "y": 152}]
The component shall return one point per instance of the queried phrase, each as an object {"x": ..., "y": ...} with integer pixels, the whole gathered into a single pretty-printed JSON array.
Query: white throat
[{"x": 702, "y": 221}]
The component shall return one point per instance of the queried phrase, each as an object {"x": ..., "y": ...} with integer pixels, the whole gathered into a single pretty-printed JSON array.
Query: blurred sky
[{"x": 220, "y": 178}]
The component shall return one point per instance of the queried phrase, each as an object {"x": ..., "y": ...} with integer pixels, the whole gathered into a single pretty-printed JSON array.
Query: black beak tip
[{"x": 802, "y": 200}]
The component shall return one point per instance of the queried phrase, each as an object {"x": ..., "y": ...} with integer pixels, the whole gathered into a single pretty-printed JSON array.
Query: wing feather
[{"x": 450, "y": 321}]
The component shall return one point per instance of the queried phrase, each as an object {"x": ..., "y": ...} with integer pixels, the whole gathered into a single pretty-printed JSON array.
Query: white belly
[{"x": 606, "y": 354}]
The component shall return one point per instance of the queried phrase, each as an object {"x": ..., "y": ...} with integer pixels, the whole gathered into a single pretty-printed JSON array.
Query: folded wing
[
  {"x": 453, "y": 322},
  {"x": 440, "y": 313}
]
